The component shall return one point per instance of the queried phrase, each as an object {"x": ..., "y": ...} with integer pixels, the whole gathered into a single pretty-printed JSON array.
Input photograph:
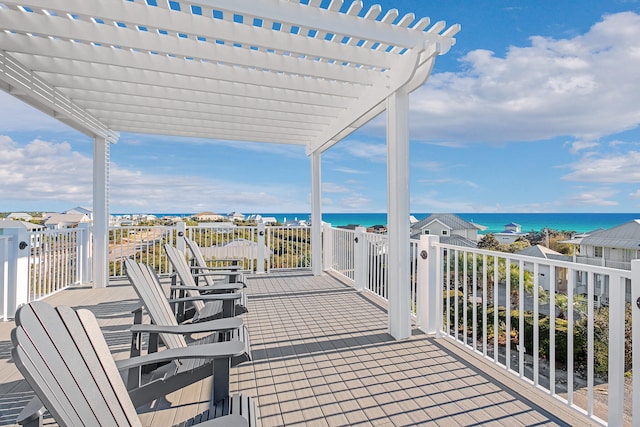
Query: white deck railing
[
  {"x": 528, "y": 316},
  {"x": 257, "y": 248},
  {"x": 561, "y": 327},
  {"x": 464, "y": 295},
  {"x": 34, "y": 265}
]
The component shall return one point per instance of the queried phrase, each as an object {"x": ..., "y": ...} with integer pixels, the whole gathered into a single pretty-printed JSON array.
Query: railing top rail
[{"x": 545, "y": 261}]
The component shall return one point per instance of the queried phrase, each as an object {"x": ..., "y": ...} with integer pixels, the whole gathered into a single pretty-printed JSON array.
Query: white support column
[
  {"x": 181, "y": 232},
  {"x": 84, "y": 253},
  {"x": 360, "y": 260},
  {"x": 316, "y": 215},
  {"x": 261, "y": 245},
  {"x": 100, "y": 212},
  {"x": 398, "y": 212},
  {"x": 15, "y": 291},
  {"x": 635, "y": 339},
  {"x": 327, "y": 247},
  {"x": 429, "y": 296}
]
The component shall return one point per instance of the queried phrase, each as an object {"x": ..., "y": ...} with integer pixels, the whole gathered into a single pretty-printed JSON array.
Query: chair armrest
[
  {"x": 220, "y": 350},
  {"x": 223, "y": 270},
  {"x": 206, "y": 288},
  {"x": 207, "y": 297},
  {"x": 191, "y": 328},
  {"x": 31, "y": 415}
]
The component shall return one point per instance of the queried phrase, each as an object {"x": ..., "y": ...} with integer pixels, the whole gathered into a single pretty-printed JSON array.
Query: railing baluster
[
  {"x": 570, "y": 290},
  {"x": 521, "y": 333},
  {"x": 536, "y": 323},
  {"x": 484, "y": 305},
  {"x": 552, "y": 330}
]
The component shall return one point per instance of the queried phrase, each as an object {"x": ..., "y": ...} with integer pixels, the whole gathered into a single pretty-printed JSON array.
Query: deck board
[{"x": 322, "y": 356}]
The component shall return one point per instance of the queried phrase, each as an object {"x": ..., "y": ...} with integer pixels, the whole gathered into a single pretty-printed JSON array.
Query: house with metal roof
[
  {"x": 510, "y": 234},
  {"x": 451, "y": 228},
  {"x": 614, "y": 247},
  {"x": 540, "y": 251}
]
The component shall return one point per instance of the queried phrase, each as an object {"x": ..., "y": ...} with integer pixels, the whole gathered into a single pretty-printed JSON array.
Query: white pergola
[{"x": 272, "y": 71}]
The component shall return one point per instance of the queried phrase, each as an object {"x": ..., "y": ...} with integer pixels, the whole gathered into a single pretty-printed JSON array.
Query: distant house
[
  {"x": 511, "y": 233},
  {"x": 451, "y": 228},
  {"x": 12, "y": 223},
  {"x": 378, "y": 229},
  {"x": 235, "y": 216},
  {"x": 80, "y": 210},
  {"x": 268, "y": 220},
  {"x": 540, "y": 251},
  {"x": 208, "y": 216},
  {"x": 60, "y": 220},
  {"x": 296, "y": 223},
  {"x": 614, "y": 247},
  {"x": 20, "y": 216}
]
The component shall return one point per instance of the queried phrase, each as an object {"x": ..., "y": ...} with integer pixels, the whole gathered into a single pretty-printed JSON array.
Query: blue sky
[{"x": 535, "y": 109}]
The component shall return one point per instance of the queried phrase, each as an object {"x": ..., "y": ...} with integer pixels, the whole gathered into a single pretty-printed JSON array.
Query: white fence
[
  {"x": 541, "y": 320},
  {"x": 561, "y": 327},
  {"x": 34, "y": 265},
  {"x": 257, "y": 248}
]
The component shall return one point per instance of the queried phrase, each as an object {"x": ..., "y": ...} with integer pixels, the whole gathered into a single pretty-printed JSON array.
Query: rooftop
[{"x": 309, "y": 368}]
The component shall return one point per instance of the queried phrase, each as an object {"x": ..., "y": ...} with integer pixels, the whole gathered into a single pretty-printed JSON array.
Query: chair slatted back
[
  {"x": 181, "y": 266},
  {"x": 200, "y": 261},
  {"x": 147, "y": 285},
  {"x": 65, "y": 359}
]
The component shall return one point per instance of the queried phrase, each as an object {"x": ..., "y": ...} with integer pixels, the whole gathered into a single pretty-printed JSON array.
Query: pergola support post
[
  {"x": 398, "y": 214},
  {"x": 100, "y": 212},
  {"x": 316, "y": 215}
]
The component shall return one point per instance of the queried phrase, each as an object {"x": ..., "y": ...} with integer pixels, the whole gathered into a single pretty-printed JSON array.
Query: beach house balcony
[
  {"x": 346, "y": 327},
  {"x": 322, "y": 354}
]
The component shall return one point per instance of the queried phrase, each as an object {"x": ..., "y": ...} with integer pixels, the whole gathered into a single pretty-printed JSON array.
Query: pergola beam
[
  {"x": 80, "y": 53},
  {"x": 268, "y": 71},
  {"x": 23, "y": 83}
]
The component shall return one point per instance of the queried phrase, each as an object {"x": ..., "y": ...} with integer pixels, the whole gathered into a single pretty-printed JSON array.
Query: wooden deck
[{"x": 322, "y": 357}]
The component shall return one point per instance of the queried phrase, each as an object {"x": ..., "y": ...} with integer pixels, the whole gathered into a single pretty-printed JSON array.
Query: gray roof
[
  {"x": 625, "y": 236},
  {"x": 458, "y": 241},
  {"x": 11, "y": 223},
  {"x": 540, "y": 251},
  {"x": 452, "y": 221}
]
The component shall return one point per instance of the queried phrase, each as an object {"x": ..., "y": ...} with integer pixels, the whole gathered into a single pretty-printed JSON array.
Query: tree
[{"x": 489, "y": 242}]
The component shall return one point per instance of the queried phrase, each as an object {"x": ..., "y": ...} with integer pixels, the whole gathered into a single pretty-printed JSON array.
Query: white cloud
[
  {"x": 364, "y": 150},
  {"x": 355, "y": 202},
  {"x": 332, "y": 187},
  {"x": 351, "y": 171},
  {"x": 45, "y": 174},
  {"x": 593, "y": 197},
  {"x": 611, "y": 168},
  {"x": 577, "y": 146},
  {"x": 585, "y": 87},
  {"x": 16, "y": 115}
]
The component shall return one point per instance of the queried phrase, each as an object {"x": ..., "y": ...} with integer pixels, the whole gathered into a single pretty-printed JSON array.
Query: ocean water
[{"x": 495, "y": 222}]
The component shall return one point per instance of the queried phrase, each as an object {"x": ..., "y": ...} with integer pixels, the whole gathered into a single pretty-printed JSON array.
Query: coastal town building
[
  {"x": 208, "y": 216},
  {"x": 12, "y": 223},
  {"x": 80, "y": 210},
  {"x": 510, "y": 234},
  {"x": 59, "y": 221},
  {"x": 614, "y": 247},
  {"x": 451, "y": 228},
  {"x": 235, "y": 216},
  {"x": 20, "y": 216},
  {"x": 544, "y": 275}
]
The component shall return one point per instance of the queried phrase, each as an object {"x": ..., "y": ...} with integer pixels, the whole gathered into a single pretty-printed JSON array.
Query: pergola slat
[{"x": 268, "y": 71}]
